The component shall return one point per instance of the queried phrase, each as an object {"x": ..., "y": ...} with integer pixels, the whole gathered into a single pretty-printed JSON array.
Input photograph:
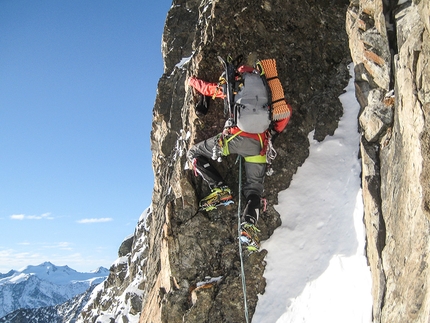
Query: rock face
[
  {"x": 189, "y": 270},
  {"x": 193, "y": 268},
  {"x": 119, "y": 298},
  {"x": 390, "y": 44}
]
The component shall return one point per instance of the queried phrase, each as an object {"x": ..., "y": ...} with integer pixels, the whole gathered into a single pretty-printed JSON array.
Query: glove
[{"x": 202, "y": 105}]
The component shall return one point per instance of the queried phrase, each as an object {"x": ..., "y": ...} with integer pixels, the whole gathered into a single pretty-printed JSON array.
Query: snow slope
[{"x": 316, "y": 268}]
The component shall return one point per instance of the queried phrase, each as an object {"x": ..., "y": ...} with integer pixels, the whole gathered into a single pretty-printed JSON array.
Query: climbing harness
[{"x": 221, "y": 148}]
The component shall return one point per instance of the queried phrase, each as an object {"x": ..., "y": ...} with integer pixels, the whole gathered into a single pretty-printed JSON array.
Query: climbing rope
[{"x": 240, "y": 244}]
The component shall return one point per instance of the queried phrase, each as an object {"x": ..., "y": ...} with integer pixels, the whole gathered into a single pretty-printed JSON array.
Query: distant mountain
[
  {"x": 10, "y": 273},
  {"x": 44, "y": 285},
  {"x": 63, "y": 313}
]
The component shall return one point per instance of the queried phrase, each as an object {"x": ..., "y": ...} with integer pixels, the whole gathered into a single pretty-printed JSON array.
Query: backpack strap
[
  {"x": 225, "y": 150},
  {"x": 228, "y": 84},
  {"x": 259, "y": 66}
]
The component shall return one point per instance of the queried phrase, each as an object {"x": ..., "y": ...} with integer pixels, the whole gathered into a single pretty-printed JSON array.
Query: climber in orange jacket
[{"x": 234, "y": 140}]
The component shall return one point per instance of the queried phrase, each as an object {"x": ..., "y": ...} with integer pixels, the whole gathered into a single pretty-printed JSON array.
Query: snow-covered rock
[{"x": 120, "y": 297}]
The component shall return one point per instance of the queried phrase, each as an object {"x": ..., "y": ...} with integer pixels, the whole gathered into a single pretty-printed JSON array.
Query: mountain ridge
[
  {"x": 44, "y": 285},
  {"x": 66, "y": 312}
]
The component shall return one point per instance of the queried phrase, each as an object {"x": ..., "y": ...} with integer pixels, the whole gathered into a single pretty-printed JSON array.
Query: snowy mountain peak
[
  {"x": 44, "y": 285},
  {"x": 60, "y": 275},
  {"x": 100, "y": 270},
  {"x": 48, "y": 268}
]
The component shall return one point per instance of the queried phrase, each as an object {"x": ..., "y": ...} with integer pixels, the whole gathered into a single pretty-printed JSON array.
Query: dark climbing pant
[{"x": 201, "y": 155}]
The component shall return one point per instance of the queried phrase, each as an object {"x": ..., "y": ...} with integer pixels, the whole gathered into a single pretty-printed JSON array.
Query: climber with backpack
[{"x": 257, "y": 113}]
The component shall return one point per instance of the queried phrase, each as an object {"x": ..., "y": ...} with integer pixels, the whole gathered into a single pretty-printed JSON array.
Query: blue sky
[{"x": 77, "y": 86}]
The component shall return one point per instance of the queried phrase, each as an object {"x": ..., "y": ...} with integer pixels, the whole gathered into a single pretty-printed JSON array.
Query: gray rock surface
[
  {"x": 394, "y": 150},
  {"x": 310, "y": 45}
]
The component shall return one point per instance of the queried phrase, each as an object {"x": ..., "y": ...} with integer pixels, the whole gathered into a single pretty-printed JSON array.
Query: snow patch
[
  {"x": 316, "y": 268},
  {"x": 209, "y": 280},
  {"x": 184, "y": 61}
]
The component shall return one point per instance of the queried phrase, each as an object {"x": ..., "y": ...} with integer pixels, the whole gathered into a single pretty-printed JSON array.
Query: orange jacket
[{"x": 206, "y": 88}]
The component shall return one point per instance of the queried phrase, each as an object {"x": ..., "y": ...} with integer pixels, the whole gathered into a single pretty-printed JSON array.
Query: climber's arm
[{"x": 206, "y": 88}]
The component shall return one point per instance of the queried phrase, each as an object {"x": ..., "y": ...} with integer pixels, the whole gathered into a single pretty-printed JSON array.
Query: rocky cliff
[
  {"x": 198, "y": 270},
  {"x": 184, "y": 266},
  {"x": 390, "y": 43}
]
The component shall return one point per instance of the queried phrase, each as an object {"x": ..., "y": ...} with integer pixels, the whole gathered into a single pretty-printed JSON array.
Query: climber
[{"x": 247, "y": 134}]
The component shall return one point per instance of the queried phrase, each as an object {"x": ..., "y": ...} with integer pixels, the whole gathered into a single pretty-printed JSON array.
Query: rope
[{"x": 240, "y": 244}]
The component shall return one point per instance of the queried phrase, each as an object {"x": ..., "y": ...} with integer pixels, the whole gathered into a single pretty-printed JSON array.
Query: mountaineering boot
[
  {"x": 207, "y": 171},
  {"x": 252, "y": 209},
  {"x": 218, "y": 196},
  {"x": 249, "y": 231}
]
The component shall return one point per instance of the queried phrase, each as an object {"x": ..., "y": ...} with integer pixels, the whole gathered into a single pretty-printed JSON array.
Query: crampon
[
  {"x": 220, "y": 196},
  {"x": 249, "y": 237}
]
